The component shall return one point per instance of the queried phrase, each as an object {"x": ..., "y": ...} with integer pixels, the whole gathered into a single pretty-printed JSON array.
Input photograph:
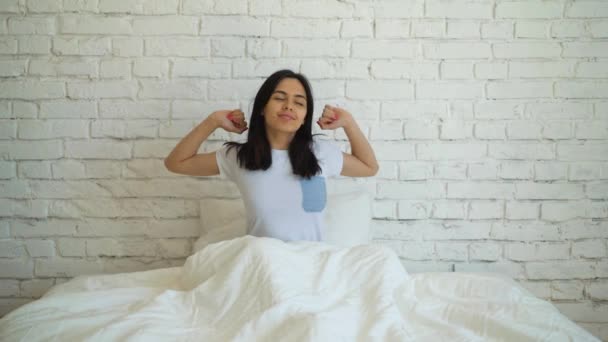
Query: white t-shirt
[{"x": 278, "y": 203}]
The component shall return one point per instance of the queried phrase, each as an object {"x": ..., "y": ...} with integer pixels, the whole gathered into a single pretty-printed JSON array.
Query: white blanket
[{"x": 262, "y": 289}]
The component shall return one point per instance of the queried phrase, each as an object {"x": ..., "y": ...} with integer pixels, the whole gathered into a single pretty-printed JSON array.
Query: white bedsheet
[{"x": 262, "y": 289}]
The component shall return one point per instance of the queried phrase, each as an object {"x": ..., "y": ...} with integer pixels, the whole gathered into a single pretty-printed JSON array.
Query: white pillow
[{"x": 347, "y": 219}]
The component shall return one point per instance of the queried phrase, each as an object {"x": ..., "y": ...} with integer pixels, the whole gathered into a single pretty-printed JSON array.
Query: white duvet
[{"x": 262, "y": 289}]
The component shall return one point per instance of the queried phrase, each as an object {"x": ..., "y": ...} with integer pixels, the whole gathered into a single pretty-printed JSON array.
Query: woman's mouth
[{"x": 286, "y": 116}]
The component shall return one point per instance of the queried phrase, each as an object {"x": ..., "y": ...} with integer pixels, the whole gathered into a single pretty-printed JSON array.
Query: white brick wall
[{"x": 489, "y": 120}]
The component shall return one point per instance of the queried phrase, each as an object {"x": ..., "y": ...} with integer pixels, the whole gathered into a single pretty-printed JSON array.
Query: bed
[
  {"x": 245, "y": 288},
  {"x": 263, "y": 289}
]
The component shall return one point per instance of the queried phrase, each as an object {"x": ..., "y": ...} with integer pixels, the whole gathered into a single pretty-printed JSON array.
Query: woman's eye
[{"x": 299, "y": 104}]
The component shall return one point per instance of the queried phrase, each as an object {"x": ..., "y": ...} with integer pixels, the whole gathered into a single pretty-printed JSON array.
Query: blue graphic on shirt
[{"x": 313, "y": 194}]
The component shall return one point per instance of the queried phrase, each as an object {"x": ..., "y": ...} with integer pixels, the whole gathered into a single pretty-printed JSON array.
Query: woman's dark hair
[{"x": 255, "y": 153}]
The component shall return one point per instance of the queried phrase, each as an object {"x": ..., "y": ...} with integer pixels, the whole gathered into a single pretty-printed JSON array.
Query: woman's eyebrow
[{"x": 284, "y": 93}]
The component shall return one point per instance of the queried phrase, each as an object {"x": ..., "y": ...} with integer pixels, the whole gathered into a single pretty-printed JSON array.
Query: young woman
[{"x": 281, "y": 169}]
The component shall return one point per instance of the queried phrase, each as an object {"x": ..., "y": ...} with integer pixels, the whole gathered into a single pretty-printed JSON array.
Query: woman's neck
[{"x": 279, "y": 140}]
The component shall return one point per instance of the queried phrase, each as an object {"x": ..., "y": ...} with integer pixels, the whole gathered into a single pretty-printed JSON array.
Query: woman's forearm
[
  {"x": 190, "y": 144},
  {"x": 359, "y": 145}
]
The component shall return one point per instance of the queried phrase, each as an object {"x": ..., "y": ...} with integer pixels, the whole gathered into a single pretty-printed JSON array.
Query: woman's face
[{"x": 286, "y": 108}]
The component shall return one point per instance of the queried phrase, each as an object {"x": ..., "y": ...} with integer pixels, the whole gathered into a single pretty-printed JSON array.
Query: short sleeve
[
  {"x": 227, "y": 162},
  {"x": 330, "y": 157}
]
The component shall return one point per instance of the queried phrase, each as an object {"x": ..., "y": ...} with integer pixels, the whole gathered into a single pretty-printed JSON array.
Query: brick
[
  {"x": 234, "y": 25},
  {"x": 128, "y": 47},
  {"x": 68, "y": 109},
  {"x": 480, "y": 190},
  {"x": 151, "y": 67},
  {"x": 227, "y": 47},
  {"x": 80, "y": 5},
  {"x": 538, "y": 251},
  {"x": 428, "y": 29},
  {"x": 71, "y": 247},
  {"x": 448, "y": 90},
  {"x": 357, "y": 28},
  {"x": 31, "y": 25},
  {"x": 407, "y": 70},
  {"x": 512, "y": 270},
  {"x": 115, "y": 69},
  {"x": 35, "y": 170},
  {"x": 484, "y": 210},
  {"x": 8, "y": 45},
  {"x": 40, "y": 248},
  {"x": 9, "y": 288},
  {"x": 381, "y": 90},
  {"x": 60, "y": 267},
  {"x": 522, "y": 210},
  {"x": 450, "y": 170},
  {"x": 560, "y": 270},
  {"x": 316, "y": 9},
  {"x": 460, "y": 10},
  {"x": 562, "y": 211},
  {"x": 568, "y": 29},
  {"x": 180, "y": 47},
  {"x": 531, "y": 29},
  {"x": 592, "y": 70},
  {"x": 582, "y": 152},
  {"x": 541, "y": 70},
  {"x": 584, "y": 171},
  {"x": 457, "y": 50},
  {"x": 597, "y": 290},
  {"x": 415, "y": 171},
  {"x": 12, "y": 249},
  {"x": 581, "y": 89},
  {"x": 521, "y": 151},
  {"x": 316, "y": 48},
  {"x": 519, "y": 89},
  {"x": 66, "y": 66},
  {"x": 30, "y": 90},
  {"x": 63, "y": 46},
  {"x": 41, "y": 6},
  {"x": 567, "y": 290},
  {"x": 497, "y": 29},
  {"x": 485, "y": 251},
  {"x": 414, "y": 209},
  {"x": 266, "y": 8},
  {"x": 589, "y": 249},
  {"x": 532, "y": 10},
  {"x": 490, "y": 70},
  {"x": 587, "y": 9},
  {"x": 463, "y": 30},
  {"x": 49, "y": 129},
  {"x": 456, "y": 70},
  {"x": 166, "y": 25},
  {"x": 585, "y": 49},
  {"x": 131, "y": 129},
  {"x": 260, "y": 48},
  {"x": 202, "y": 68},
  {"x": 22, "y": 268},
  {"x": 450, "y": 151},
  {"x": 24, "y": 150},
  {"x": 304, "y": 28},
  {"x": 85, "y": 24},
  {"x": 443, "y": 209},
  {"x": 98, "y": 150},
  {"x": 415, "y": 191},
  {"x": 139, "y": 6},
  {"x": 102, "y": 89},
  {"x": 489, "y": 131},
  {"x": 591, "y": 130},
  {"x": 382, "y": 49}
]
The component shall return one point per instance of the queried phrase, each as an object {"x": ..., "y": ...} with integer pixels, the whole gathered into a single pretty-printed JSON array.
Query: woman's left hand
[{"x": 334, "y": 117}]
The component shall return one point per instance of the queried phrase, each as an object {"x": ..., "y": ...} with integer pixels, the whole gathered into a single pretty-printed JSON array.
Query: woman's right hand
[{"x": 230, "y": 120}]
